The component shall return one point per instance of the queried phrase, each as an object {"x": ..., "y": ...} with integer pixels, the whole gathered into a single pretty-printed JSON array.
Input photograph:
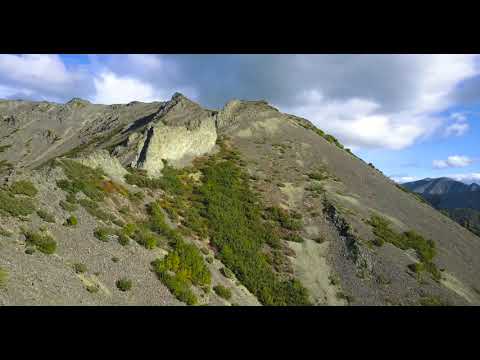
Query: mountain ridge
[{"x": 142, "y": 179}]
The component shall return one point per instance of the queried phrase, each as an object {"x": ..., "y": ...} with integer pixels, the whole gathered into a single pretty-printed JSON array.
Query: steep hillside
[{"x": 169, "y": 203}]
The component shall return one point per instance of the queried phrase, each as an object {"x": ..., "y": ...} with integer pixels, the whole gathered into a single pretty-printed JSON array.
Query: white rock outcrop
[
  {"x": 110, "y": 165},
  {"x": 174, "y": 144}
]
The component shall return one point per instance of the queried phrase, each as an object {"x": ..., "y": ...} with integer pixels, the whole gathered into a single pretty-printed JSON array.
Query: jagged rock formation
[{"x": 292, "y": 166}]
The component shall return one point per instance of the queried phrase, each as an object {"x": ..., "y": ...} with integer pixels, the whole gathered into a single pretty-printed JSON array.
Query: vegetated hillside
[
  {"x": 458, "y": 200},
  {"x": 170, "y": 204}
]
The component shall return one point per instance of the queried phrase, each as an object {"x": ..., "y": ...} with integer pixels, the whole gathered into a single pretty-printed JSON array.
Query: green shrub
[
  {"x": 187, "y": 261},
  {"x": 425, "y": 249},
  {"x": 147, "y": 238},
  {"x": 118, "y": 222},
  {"x": 169, "y": 182},
  {"x": 136, "y": 196},
  {"x": 92, "y": 288},
  {"x": 93, "y": 209},
  {"x": 318, "y": 175},
  {"x": 319, "y": 240},
  {"x": 79, "y": 268},
  {"x": 29, "y": 250},
  {"x": 236, "y": 230},
  {"x": 68, "y": 206},
  {"x": 158, "y": 224},
  {"x": 124, "y": 284},
  {"x": 284, "y": 218},
  {"x": 45, "y": 216},
  {"x": 125, "y": 210},
  {"x": 42, "y": 242},
  {"x": 71, "y": 221},
  {"x": 223, "y": 292},
  {"x": 294, "y": 238},
  {"x": 4, "y": 232},
  {"x": 24, "y": 187},
  {"x": 15, "y": 206},
  {"x": 178, "y": 286},
  {"x": 3, "y": 277},
  {"x": 431, "y": 301},
  {"x": 129, "y": 229},
  {"x": 123, "y": 238},
  {"x": 227, "y": 273},
  {"x": 4, "y": 147},
  {"x": 71, "y": 198},
  {"x": 104, "y": 233},
  {"x": 82, "y": 178}
]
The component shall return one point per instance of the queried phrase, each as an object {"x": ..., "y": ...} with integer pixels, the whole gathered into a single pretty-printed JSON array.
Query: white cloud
[
  {"x": 460, "y": 125},
  {"x": 459, "y": 116},
  {"x": 466, "y": 178},
  {"x": 45, "y": 76},
  {"x": 359, "y": 124},
  {"x": 452, "y": 161},
  {"x": 457, "y": 129},
  {"x": 439, "y": 164},
  {"x": 367, "y": 101},
  {"x": 367, "y": 122},
  {"x": 404, "y": 179},
  {"x": 113, "y": 89}
]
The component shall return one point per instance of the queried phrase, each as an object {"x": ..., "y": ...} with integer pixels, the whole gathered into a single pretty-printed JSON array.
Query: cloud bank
[{"x": 367, "y": 101}]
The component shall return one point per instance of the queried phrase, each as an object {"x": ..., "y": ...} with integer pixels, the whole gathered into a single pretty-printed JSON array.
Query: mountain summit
[{"x": 169, "y": 203}]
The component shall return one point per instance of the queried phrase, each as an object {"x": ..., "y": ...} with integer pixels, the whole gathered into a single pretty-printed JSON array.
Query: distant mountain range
[{"x": 460, "y": 201}]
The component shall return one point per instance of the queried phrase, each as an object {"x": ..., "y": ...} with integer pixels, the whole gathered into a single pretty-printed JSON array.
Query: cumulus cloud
[
  {"x": 452, "y": 161},
  {"x": 113, "y": 89},
  {"x": 42, "y": 77}
]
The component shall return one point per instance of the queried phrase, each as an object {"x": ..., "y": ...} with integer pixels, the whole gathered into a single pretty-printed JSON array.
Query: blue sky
[{"x": 412, "y": 116}]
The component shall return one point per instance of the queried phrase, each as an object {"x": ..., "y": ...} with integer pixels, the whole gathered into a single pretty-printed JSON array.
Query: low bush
[
  {"x": 79, "y": 268},
  {"x": 4, "y": 232},
  {"x": 124, "y": 284},
  {"x": 187, "y": 261},
  {"x": 104, "y": 233},
  {"x": 92, "y": 288},
  {"x": 67, "y": 206},
  {"x": 318, "y": 175},
  {"x": 42, "y": 242},
  {"x": 15, "y": 206},
  {"x": 24, "y": 187},
  {"x": 71, "y": 221},
  {"x": 424, "y": 248},
  {"x": 319, "y": 240},
  {"x": 147, "y": 238},
  {"x": 45, "y": 216},
  {"x": 284, "y": 218},
  {"x": 3, "y": 277},
  {"x": 177, "y": 285},
  {"x": 431, "y": 301},
  {"x": 227, "y": 273},
  {"x": 94, "y": 209},
  {"x": 169, "y": 181},
  {"x": 82, "y": 178},
  {"x": 123, "y": 238},
  {"x": 223, "y": 292},
  {"x": 293, "y": 237}
]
